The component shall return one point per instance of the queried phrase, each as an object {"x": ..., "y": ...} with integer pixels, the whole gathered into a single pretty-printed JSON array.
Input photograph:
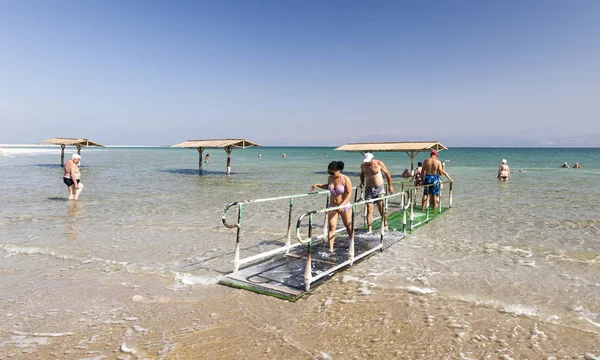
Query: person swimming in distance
[
  {"x": 576, "y": 166},
  {"x": 207, "y": 159},
  {"x": 565, "y": 165},
  {"x": 340, "y": 187}
]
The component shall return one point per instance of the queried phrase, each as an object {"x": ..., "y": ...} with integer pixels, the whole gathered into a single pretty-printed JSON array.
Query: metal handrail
[
  {"x": 268, "y": 199},
  {"x": 407, "y": 202},
  {"x": 237, "y": 261}
]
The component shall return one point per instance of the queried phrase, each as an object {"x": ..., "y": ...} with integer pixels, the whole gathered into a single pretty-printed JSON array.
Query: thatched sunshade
[
  {"x": 79, "y": 143},
  {"x": 226, "y": 144},
  {"x": 411, "y": 148}
]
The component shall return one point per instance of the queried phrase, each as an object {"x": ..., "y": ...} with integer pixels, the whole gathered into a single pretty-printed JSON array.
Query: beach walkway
[{"x": 291, "y": 270}]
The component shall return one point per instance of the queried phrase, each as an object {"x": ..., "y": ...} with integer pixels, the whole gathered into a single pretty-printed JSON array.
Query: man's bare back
[
  {"x": 432, "y": 166},
  {"x": 72, "y": 170}
]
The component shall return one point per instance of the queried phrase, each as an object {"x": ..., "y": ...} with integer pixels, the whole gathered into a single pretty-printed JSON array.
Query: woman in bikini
[{"x": 340, "y": 187}]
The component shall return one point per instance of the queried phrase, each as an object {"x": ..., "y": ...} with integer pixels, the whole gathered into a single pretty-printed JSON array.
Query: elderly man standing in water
[
  {"x": 72, "y": 177},
  {"x": 431, "y": 172},
  {"x": 370, "y": 172}
]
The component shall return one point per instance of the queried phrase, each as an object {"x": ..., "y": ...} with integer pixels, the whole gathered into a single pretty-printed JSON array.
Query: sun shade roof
[
  {"x": 216, "y": 143},
  {"x": 393, "y": 146},
  {"x": 71, "y": 142}
]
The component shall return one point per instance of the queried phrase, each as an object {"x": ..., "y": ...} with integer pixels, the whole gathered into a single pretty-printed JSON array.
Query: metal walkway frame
[{"x": 293, "y": 270}]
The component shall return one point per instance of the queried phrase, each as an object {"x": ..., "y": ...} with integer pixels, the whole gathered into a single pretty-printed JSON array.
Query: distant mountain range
[{"x": 588, "y": 140}]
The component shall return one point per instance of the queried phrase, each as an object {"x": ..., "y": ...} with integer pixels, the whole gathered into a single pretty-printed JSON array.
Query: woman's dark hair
[{"x": 336, "y": 165}]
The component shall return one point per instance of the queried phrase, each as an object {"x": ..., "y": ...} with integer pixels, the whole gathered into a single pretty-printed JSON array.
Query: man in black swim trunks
[{"x": 72, "y": 177}]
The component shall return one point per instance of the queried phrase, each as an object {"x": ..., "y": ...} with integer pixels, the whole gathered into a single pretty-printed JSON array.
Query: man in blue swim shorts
[{"x": 431, "y": 172}]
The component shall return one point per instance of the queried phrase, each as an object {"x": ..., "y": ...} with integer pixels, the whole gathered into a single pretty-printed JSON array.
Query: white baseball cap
[
  {"x": 368, "y": 157},
  {"x": 76, "y": 156}
]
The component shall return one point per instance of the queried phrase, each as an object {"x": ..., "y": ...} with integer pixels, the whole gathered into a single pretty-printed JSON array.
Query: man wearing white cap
[
  {"x": 370, "y": 172},
  {"x": 72, "y": 177}
]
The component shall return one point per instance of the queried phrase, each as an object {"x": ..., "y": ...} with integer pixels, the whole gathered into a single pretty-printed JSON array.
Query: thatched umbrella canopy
[
  {"x": 79, "y": 143},
  {"x": 226, "y": 144},
  {"x": 411, "y": 148}
]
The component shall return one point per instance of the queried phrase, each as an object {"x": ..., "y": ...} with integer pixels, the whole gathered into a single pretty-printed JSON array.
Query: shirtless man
[
  {"x": 370, "y": 171},
  {"x": 72, "y": 177},
  {"x": 431, "y": 172}
]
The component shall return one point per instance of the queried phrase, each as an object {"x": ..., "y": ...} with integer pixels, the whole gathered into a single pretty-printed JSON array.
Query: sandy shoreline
[{"x": 340, "y": 320}]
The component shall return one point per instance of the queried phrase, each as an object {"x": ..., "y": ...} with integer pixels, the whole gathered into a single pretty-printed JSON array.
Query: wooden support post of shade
[
  {"x": 62, "y": 155},
  {"x": 412, "y": 155},
  {"x": 228, "y": 151},
  {"x": 227, "y": 144},
  {"x": 78, "y": 142},
  {"x": 200, "y": 150}
]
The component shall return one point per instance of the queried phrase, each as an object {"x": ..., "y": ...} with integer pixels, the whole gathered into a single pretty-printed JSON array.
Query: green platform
[{"x": 395, "y": 219}]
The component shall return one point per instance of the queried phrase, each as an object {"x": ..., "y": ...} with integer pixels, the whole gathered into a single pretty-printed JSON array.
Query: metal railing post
[
  {"x": 236, "y": 259},
  {"x": 351, "y": 246},
  {"x": 403, "y": 213},
  {"x": 450, "y": 195},
  {"x": 308, "y": 267},
  {"x": 326, "y": 221},
  {"x": 289, "y": 229},
  {"x": 383, "y": 222},
  {"x": 412, "y": 211}
]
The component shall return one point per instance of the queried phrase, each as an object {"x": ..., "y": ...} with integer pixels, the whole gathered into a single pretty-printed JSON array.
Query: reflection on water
[{"x": 75, "y": 211}]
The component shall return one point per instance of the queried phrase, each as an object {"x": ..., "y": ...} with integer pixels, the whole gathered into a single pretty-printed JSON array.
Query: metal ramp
[
  {"x": 291, "y": 271},
  {"x": 283, "y": 276}
]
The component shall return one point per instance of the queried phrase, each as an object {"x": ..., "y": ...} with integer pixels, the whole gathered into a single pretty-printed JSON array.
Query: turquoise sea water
[{"x": 530, "y": 246}]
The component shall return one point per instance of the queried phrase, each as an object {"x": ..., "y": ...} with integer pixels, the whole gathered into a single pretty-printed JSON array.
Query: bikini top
[{"x": 338, "y": 190}]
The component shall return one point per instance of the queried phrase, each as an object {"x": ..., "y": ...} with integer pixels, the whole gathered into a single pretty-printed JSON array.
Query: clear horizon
[{"x": 510, "y": 74}]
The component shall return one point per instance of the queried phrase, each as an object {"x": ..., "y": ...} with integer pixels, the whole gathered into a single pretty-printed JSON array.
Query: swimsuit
[
  {"x": 418, "y": 180},
  {"x": 346, "y": 207},
  {"x": 374, "y": 192},
  {"x": 431, "y": 179},
  {"x": 69, "y": 181},
  {"x": 338, "y": 190},
  {"x": 504, "y": 172}
]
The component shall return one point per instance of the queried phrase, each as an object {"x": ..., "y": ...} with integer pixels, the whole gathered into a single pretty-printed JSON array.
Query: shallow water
[{"x": 146, "y": 239}]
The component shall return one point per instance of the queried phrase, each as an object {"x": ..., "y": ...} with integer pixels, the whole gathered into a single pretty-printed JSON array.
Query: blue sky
[{"x": 301, "y": 72}]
